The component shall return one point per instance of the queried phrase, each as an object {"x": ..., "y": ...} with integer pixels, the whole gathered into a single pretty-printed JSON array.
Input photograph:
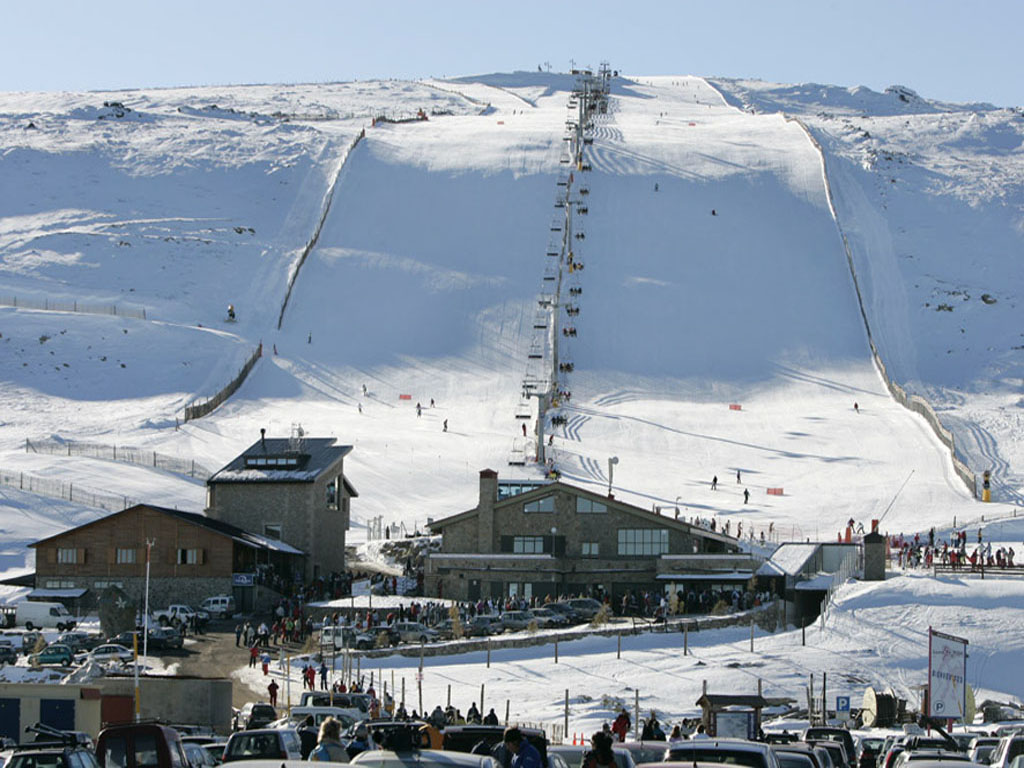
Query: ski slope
[{"x": 423, "y": 282}]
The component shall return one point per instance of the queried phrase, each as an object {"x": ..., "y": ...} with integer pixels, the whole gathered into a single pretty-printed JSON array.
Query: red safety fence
[
  {"x": 735, "y": 407},
  {"x": 405, "y": 397},
  {"x": 774, "y": 491}
]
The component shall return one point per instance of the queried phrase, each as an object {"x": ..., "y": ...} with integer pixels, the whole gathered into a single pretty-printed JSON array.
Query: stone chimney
[{"x": 485, "y": 510}]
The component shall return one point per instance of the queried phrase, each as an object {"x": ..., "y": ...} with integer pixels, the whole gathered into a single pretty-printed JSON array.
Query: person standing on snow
[
  {"x": 621, "y": 725},
  {"x": 746, "y": 495},
  {"x": 714, "y": 483}
]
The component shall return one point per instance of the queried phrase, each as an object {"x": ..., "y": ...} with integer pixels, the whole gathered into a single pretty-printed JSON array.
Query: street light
[
  {"x": 611, "y": 463},
  {"x": 554, "y": 530}
]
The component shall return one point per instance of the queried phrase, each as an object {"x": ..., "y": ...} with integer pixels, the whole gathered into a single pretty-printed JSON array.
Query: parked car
[
  {"x": 55, "y": 653},
  {"x": 255, "y": 714},
  {"x": 80, "y": 641},
  {"x": 820, "y": 733},
  {"x": 197, "y": 756},
  {"x": 8, "y": 653},
  {"x": 414, "y": 632},
  {"x": 462, "y": 738},
  {"x": 585, "y": 607},
  {"x": 264, "y": 744},
  {"x": 751, "y": 754},
  {"x": 1008, "y": 748},
  {"x": 547, "y": 618},
  {"x": 165, "y": 639},
  {"x": 516, "y": 620},
  {"x": 793, "y": 754},
  {"x": 484, "y": 625},
  {"x": 350, "y": 637},
  {"x": 573, "y": 755},
  {"x": 867, "y": 751},
  {"x": 216, "y": 750},
  {"x": 127, "y": 639},
  {"x": 52, "y": 755},
  {"x": 219, "y": 606},
  {"x": 140, "y": 745},
  {"x": 425, "y": 758},
  {"x": 109, "y": 652},
  {"x": 566, "y": 610},
  {"x": 359, "y": 703}
]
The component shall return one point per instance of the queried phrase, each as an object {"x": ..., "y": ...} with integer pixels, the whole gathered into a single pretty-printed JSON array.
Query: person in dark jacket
[{"x": 524, "y": 754}]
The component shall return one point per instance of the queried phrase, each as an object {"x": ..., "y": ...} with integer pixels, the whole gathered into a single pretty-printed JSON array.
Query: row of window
[
  {"x": 583, "y": 506},
  {"x": 632, "y": 541},
  {"x": 128, "y": 556},
  {"x": 271, "y": 461}
]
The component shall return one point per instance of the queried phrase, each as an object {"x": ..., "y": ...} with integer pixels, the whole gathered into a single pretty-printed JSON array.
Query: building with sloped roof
[
  {"x": 191, "y": 557},
  {"x": 292, "y": 490},
  {"x": 556, "y": 538}
]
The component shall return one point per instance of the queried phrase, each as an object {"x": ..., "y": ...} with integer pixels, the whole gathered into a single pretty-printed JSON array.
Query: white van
[
  {"x": 34, "y": 615},
  {"x": 220, "y": 606}
]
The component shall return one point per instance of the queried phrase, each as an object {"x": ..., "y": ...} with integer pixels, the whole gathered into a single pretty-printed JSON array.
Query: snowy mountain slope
[
  {"x": 931, "y": 197},
  {"x": 424, "y": 281}
]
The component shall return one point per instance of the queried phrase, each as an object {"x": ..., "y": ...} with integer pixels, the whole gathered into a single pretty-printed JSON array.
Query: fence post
[
  {"x": 618, "y": 650},
  {"x": 751, "y": 635},
  {"x": 71, "y": 491},
  {"x": 686, "y": 639},
  {"x": 556, "y": 651},
  {"x": 449, "y": 694},
  {"x": 636, "y": 720},
  {"x": 488, "y": 653},
  {"x": 482, "y": 697},
  {"x": 565, "y": 732}
]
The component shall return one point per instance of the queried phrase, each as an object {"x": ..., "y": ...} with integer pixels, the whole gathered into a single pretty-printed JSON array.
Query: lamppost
[
  {"x": 554, "y": 569},
  {"x": 611, "y": 463}
]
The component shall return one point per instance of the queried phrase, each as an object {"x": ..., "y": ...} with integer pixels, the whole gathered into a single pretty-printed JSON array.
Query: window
[
  {"x": 60, "y": 584},
  {"x": 98, "y": 585},
  {"x": 332, "y": 494},
  {"x": 591, "y": 549},
  {"x": 643, "y": 541},
  {"x": 125, "y": 556},
  {"x": 66, "y": 555},
  {"x": 528, "y": 545},
  {"x": 272, "y": 531},
  {"x": 190, "y": 556},
  {"x": 589, "y": 507},
  {"x": 546, "y": 504}
]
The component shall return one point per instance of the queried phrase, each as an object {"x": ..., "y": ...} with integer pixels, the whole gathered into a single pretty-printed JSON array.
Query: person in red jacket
[{"x": 621, "y": 725}]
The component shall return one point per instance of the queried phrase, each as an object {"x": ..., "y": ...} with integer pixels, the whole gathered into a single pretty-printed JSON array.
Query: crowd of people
[{"x": 926, "y": 551}]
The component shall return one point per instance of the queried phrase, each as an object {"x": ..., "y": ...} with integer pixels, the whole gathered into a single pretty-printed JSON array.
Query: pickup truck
[{"x": 178, "y": 614}]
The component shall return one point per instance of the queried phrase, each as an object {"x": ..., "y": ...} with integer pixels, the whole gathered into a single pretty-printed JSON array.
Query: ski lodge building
[{"x": 537, "y": 539}]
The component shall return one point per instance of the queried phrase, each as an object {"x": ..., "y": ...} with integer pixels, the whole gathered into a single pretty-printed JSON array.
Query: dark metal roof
[
  {"x": 308, "y": 458},
  {"x": 252, "y": 540},
  {"x": 716, "y": 700}
]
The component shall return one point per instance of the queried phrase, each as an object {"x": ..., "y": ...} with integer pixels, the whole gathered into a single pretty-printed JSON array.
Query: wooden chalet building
[
  {"x": 533, "y": 539},
  {"x": 191, "y": 557}
]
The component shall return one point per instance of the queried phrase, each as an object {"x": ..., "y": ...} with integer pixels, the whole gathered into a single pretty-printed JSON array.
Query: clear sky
[{"x": 966, "y": 50}]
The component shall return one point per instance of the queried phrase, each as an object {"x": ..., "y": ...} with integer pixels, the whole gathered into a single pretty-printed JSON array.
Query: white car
[
  {"x": 415, "y": 632},
  {"x": 109, "y": 652}
]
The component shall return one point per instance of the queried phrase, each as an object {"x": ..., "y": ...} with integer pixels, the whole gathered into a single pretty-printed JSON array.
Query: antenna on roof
[{"x": 263, "y": 437}]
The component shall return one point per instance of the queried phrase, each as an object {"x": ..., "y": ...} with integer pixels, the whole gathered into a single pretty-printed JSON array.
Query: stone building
[
  {"x": 290, "y": 489},
  {"x": 191, "y": 557},
  {"x": 556, "y": 538}
]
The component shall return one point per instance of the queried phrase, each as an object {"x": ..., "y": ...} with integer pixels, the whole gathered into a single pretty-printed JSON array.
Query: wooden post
[
  {"x": 556, "y": 651},
  {"x": 618, "y": 651},
  {"x": 449, "y": 694},
  {"x": 686, "y": 639},
  {"x": 402, "y": 700},
  {"x": 803, "y": 632},
  {"x": 506, "y": 712},
  {"x": 419, "y": 688},
  {"x": 636, "y": 721},
  {"x": 481, "y": 698},
  {"x": 751, "y": 636},
  {"x": 565, "y": 732},
  {"x": 488, "y": 653}
]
